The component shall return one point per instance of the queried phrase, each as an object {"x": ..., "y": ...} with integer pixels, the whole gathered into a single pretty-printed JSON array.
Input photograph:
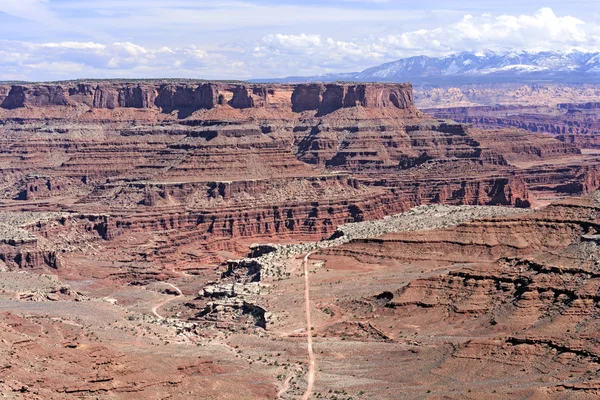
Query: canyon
[
  {"x": 574, "y": 123},
  {"x": 156, "y": 238},
  {"x": 566, "y": 112}
]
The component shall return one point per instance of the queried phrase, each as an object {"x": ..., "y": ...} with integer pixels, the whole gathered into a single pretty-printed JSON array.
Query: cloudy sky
[{"x": 230, "y": 39}]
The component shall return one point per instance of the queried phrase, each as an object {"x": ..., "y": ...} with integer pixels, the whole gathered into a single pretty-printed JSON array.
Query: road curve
[{"x": 156, "y": 307}]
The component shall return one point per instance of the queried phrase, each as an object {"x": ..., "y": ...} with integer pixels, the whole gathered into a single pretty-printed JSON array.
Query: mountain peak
[{"x": 486, "y": 66}]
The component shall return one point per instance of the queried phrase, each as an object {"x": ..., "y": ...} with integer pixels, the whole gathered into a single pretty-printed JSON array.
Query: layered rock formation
[
  {"x": 573, "y": 123},
  {"x": 331, "y": 97},
  {"x": 33, "y": 240},
  {"x": 145, "y": 198},
  {"x": 514, "y": 298},
  {"x": 221, "y": 161},
  {"x": 189, "y": 96}
]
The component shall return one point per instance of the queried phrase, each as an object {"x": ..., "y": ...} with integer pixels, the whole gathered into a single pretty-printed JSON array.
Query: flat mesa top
[{"x": 159, "y": 81}]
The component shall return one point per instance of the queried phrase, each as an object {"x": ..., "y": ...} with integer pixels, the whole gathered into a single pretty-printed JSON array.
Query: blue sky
[{"x": 241, "y": 39}]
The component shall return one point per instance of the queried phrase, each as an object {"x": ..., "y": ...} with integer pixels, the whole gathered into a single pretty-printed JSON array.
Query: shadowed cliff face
[
  {"x": 328, "y": 98},
  {"x": 180, "y": 96},
  {"x": 38, "y": 96}
]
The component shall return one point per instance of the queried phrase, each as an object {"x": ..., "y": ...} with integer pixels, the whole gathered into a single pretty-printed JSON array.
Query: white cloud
[
  {"x": 89, "y": 59},
  {"x": 130, "y": 49},
  {"x": 543, "y": 30},
  {"x": 75, "y": 45},
  {"x": 301, "y": 41},
  {"x": 305, "y": 52},
  {"x": 293, "y": 52}
]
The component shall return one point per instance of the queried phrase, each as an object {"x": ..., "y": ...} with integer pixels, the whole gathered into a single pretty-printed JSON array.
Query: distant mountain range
[{"x": 481, "y": 67}]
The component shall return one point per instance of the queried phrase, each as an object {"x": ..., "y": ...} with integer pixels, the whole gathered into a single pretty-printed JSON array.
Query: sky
[{"x": 43, "y": 40}]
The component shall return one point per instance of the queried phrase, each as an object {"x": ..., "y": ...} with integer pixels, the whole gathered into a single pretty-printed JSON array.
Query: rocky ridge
[
  {"x": 135, "y": 196},
  {"x": 209, "y": 164},
  {"x": 510, "y": 300},
  {"x": 168, "y": 97},
  {"x": 220, "y": 162},
  {"x": 241, "y": 282},
  {"x": 572, "y": 123}
]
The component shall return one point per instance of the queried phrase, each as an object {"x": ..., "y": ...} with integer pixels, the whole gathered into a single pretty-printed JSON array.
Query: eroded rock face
[
  {"x": 4, "y": 90},
  {"x": 307, "y": 97},
  {"x": 28, "y": 240},
  {"x": 242, "y": 162},
  {"x": 35, "y": 96},
  {"x": 111, "y": 96},
  {"x": 137, "y": 97},
  {"x": 246, "y": 97},
  {"x": 150, "y": 195},
  {"x": 331, "y": 97},
  {"x": 105, "y": 97},
  {"x": 15, "y": 98},
  {"x": 82, "y": 93},
  {"x": 38, "y": 187},
  {"x": 205, "y": 96},
  {"x": 516, "y": 291},
  {"x": 573, "y": 123},
  {"x": 48, "y": 96}
]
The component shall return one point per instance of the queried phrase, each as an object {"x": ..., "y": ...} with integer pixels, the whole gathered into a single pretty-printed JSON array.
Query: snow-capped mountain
[{"x": 478, "y": 67}]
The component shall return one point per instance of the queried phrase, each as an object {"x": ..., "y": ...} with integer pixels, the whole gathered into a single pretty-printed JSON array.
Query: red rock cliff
[
  {"x": 323, "y": 98},
  {"x": 331, "y": 97}
]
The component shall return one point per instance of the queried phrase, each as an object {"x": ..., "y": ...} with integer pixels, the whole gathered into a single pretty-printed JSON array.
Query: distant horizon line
[
  {"x": 193, "y": 80},
  {"x": 314, "y": 77}
]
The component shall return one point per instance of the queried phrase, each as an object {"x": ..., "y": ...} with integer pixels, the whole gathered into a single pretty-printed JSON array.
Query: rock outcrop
[
  {"x": 225, "y": 162},
  {"x": 137, "y": 97},
  {"x": 35, "y": 96},
  {"x": 174, "y": 96},
  {"x": 330, "y": 97},
  {"x": 206, "y": 96},
  {"x": 518, "y": 293},
  {"x": 33, "y": 240},
  {"x": 146, "y": 198},
  {"x": 573, "y": 123}
]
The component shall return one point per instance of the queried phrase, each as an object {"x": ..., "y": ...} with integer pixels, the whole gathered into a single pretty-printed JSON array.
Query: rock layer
[
  {"x": 573, "y": 123},
  {"x": 190, "y": 96},
  {"x": 140, "y": 196},
  {"x": 224, "y": 162},
  {"x": 518, "y": 293}
]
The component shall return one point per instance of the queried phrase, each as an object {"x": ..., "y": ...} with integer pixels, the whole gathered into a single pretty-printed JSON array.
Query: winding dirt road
[
  {"x": 311, "y": 355},
  {"x": 156, "y": 307}
]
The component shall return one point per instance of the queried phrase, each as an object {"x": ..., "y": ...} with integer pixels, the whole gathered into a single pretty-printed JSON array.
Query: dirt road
[
  {"x": 311, "y": 355},
  {"x": 156, "y": 307}
]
